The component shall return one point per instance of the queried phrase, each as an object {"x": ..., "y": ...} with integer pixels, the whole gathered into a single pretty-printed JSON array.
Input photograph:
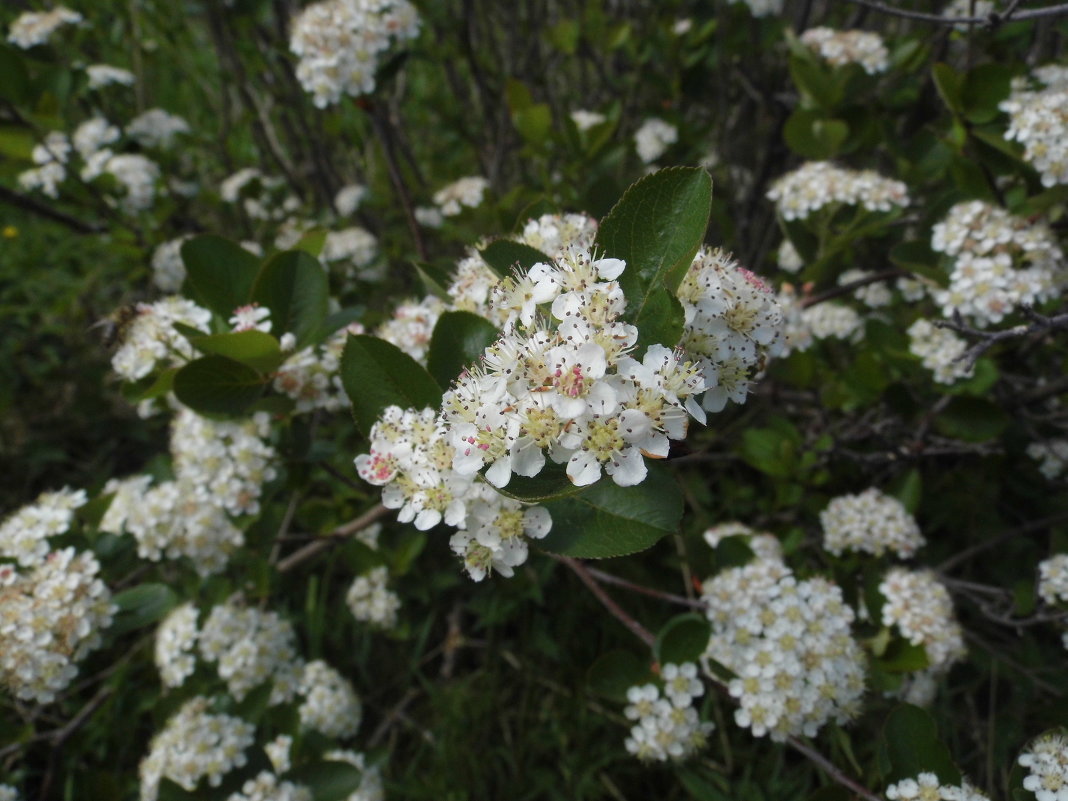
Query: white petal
[
  {"x": 527, "y": 458},
  {"x": 628, "y": 468},
  {"x": 609, "y": 269},
  {"x": 537, "y": 522},
  {"x": 500, "y": 472},
  {"x": 583, "y": 468}
]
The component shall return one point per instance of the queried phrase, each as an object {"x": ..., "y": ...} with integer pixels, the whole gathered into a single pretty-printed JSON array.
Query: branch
[
  {"x": 608, "y": 578},
  {"x": 331, "y": 539},
  {"x": 829, "y": 768},
  {"x": 845, "y": 289},
  {"x": 992, "y": 20},
  {"x": 987, "y": 339},
  {"x": 583, "y": 572},
  {"x": 41, "y": 210}
]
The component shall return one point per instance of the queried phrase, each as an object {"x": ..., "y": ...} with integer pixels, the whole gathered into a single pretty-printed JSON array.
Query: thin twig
[
  {"x": 991, "y": 20},
  {"x": 1040, "y": 324},
  {"x": 41, "y": 210},
  {"x": 845, "y": 289},
  {"x": 329, "y": 540},
  {"x": 829, "y": 768},
  {"x": 583, "y": 572},
  {"x": 608, "y": 578}
]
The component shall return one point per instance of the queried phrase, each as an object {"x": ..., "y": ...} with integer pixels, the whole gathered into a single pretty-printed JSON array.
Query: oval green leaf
[
  {"x": 684, "y": 638},
  {"x": 458, "y": 340},
  {"x": 294, "y": 286},
  {"x": 505, "y": 256},
  {"x": 615, "y": 672},
  {"x": 327, "y": 780},
  {"x": 910, "y": 740},
  {"x": 258, "y": 350},
  {"x": 607, "y": 520},
  {"x": 219, "y": 272},
  {"x": 377, "y": 374},
  {"x": 141, "y": 605},
  {"x": 218, "y": 385}
]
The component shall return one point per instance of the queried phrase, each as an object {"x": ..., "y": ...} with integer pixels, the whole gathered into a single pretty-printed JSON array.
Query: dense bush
[{"x": 554, "y": 399}]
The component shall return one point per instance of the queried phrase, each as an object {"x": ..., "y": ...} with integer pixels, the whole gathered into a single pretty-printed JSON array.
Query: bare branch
[
  {"x": 331, "y": 539},
  {"x": 991, "y": 20},
  {"x": 1040, "y": 324}
]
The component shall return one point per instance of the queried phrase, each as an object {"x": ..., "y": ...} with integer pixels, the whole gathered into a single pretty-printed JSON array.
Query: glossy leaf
[
  {"x": 258, "y": 350},
  {"x": 657, "y": 227},
  {"x": 615, "y": 672},
  {"x": 294, "y": 286},
  {"x": 218, "y": 385},
  {"x": 141, "y": 605},
  {"x": 552, "y": 482},
  {"x": 219, "y": 272},
  {"x": 377, "y": 374},
  {"x": 608, "y": 520},
  {"x": 458, "y": 341},
  {"x": 660, "y": 320},
  {"x": 327, "y": 780},
  {"x": 683, "y": 639},
  {"x": 910, "y": 740},
  {"x": 506, "y": 256}
]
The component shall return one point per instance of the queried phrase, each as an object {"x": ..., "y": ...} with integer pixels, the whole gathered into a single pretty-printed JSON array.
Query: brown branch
[
  {"x": 1040, "y": 324},
  {"x": 991, "y": 20},
  {"x": 384, "y": 130},
  {"x": 845, "y": 289},
  {"x": 829, "y": 768},
  {"x": 329, "y": 540},
  {"x": 34, "y": 206},
  {"x": 583, "y": 572},
  {"x": 608, "y": 578},
  {"x": 1027, "y": 528}
]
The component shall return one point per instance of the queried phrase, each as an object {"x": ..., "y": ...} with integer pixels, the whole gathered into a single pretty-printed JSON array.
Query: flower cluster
[
  {"x": 941, "y": 351},
  {"x": 51, "y": 157},
  {"x": 1053, "y": 578},
  {"x": 1039, "y": 121},
  {"x": 349, "y": 198},
  {"x": 874, "y": 295},
  {"x": 1000, "y": 262},
  {"x": 968, "y": 8},
  {"x": 250, "y": 647},
  {"x": 804, "y": 325},
  {"x": 220, "y": 469},
  {"x": 871, "y": 522},
  {"x": 168, "y": 269},
  {"x": 312, "y": 376},
  {"x": 50, "y": 618},
  {"x": 263, "y": 197},
  {"x": 1046, "y": 761},
  {"x": 921, "y": 609},
  {"x": 733, "y": 324},
  {"x": 412, "y": 326},
  {"x": 352, "y": 251},
  {"x": 150, "y": 339},
  {"x": 267, "y": 787},
  {"x": 926, "y": 787},
  {"x": 839, "y": 48},
  {"x": 176, "y": 640},
  {"x": 24, "y": 535},
  {"x": 156, "y": 128},
  {"x": 451, "y": 199},
  {"x": 195, "y": 744},
  {"x": 585, "y": 119},
  {"x": 761, "y": 8},
  {"x": 789, "y": 643},
  {"x": 339, "y": 44},
  {"x": 653, "y": 138},
  {"x": 412, "y": 459},
  {"x": 818, "y": 184},
  {"x": 101, "y": 75},
  {"x": 9, "y": 793},
  {"x": 371, "y": 601},
  {"x": 330, "y": 705},
  {"x": 667, "y": 727},
  {"x": 34, "y": 28},
  {"x": 1052, "y": 456}
]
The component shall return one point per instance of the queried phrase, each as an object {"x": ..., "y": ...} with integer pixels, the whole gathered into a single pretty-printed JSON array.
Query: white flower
[{"x": 653, "y": 138}]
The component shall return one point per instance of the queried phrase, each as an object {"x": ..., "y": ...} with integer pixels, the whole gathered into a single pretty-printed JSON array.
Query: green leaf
[
  {"x": 505, "y": 256},
  {"x": 908, "y": 488},
  {"x": 772, "y": 450},
  {"x": 172, "y": 791},
  {"x": 312, "y": 242},
  {"x": 294, "y": 286},
  {"x": 564, "y": 36},
  {"x": 950, "y": 86},
  {"x": 902, "y": 656},
  {"x": 984, "y": 87},
  {"x": 657, "y": 227},
  {"x": 327, "y": 780},
  {"x": 141, "y": 605},
  {"x": 338, "y": 320},
  {"x": 218, "y": 385},
  {"x": 551, "y": 483},
  {"x": 219, "y": 272},
  {"x": 14, "y": 79},
  {"x": 910, "y": 739},
  {"x": 683, "y": 639},
  {"x": 16, "y": 142},
  {"x": 377, "y": 374},
  {"x": 660, "y": 320},
  {"x": 458, "y": 340},
  {"x": 814, "y": 81},
  {"x": 436, "y": 280},
  {"x": 616, "y": 672},
  {"x": 808, "y": 133},
  {"x": 917, "y": 257},
  {"x": 608, "y": 520},
  {"x": 534, "y": 124},
  {"x": 258, "y": 350}
]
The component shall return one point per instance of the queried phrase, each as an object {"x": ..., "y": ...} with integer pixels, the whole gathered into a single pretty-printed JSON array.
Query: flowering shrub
[{"x": 562, "y": 400}]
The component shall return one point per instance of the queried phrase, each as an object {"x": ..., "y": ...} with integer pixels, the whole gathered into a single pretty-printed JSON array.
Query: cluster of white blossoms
[
  {"x": 352, "y": 252},
  {"x": 585, "y": 119},
  {"x": 371, "y": 601},
  {"x": 787, "y": 641},
  {"x": 839, "y": 48},
  {"x": 93, "y": 135},
  {"x": 1000, "y": 262},
  {"x": 412, "y": 326},
  {"x": 263, "y": 197},
  {"x": 1039, "y": 121},
  {"x": 371, "y": 788},
  {"x": 24, "y": 535},
  {"x": 50, "y": 156},
  {"x": 9, "y": 793},
  {"x": 789, "y": 259},
  {"x": 761, "y": 8},
  {"x": 349, "y": 198},
  {"x": 451, "y": 199},
  {"x": 219, "y": 468},
  {"x": 195, "y": 744},
  {"x": 870, "y": 522},
  {"x": 339, "y": 44},
  {"x": 1051, "y": 455},
  {"x": 817, "y": 184},
  {"x": 101, "y": 75},
  {"x": 33, "y": 28},
  {"x": 150, "y": 339},
  {"x": 927, "y": 787},
  {"x": 51, "y": 616},
  {"x": 250, "y": 647},
  {"x": 555, "y": 234},
  {"x": 968, "y": 8},
  {"x": 312, "y": 376},
  {"x": 138, "y": 175},
  {"x": 330, "y": 705},
  {"x": 733, "y": 324},
  {"x": 940, "y": 350},
  {"x": 667, "y": 727},
  {"x": 411, "y": 457},
  {"x": 1053, "y": 578},
  {"x": 653, "y": 138},
  {"x": 168, "y": 269},
  {"x": 826, "y": 320},
  {"x": 1046, "y": 761},
  {"x": 874, "y": 295},
  {"x": 176, "y": 640},
  {"x": 266, "y": 786},
  {"x": 563, "y": 386},
  {"x": 156, "y": 128},
  {"x": 922, "y": 610}
]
